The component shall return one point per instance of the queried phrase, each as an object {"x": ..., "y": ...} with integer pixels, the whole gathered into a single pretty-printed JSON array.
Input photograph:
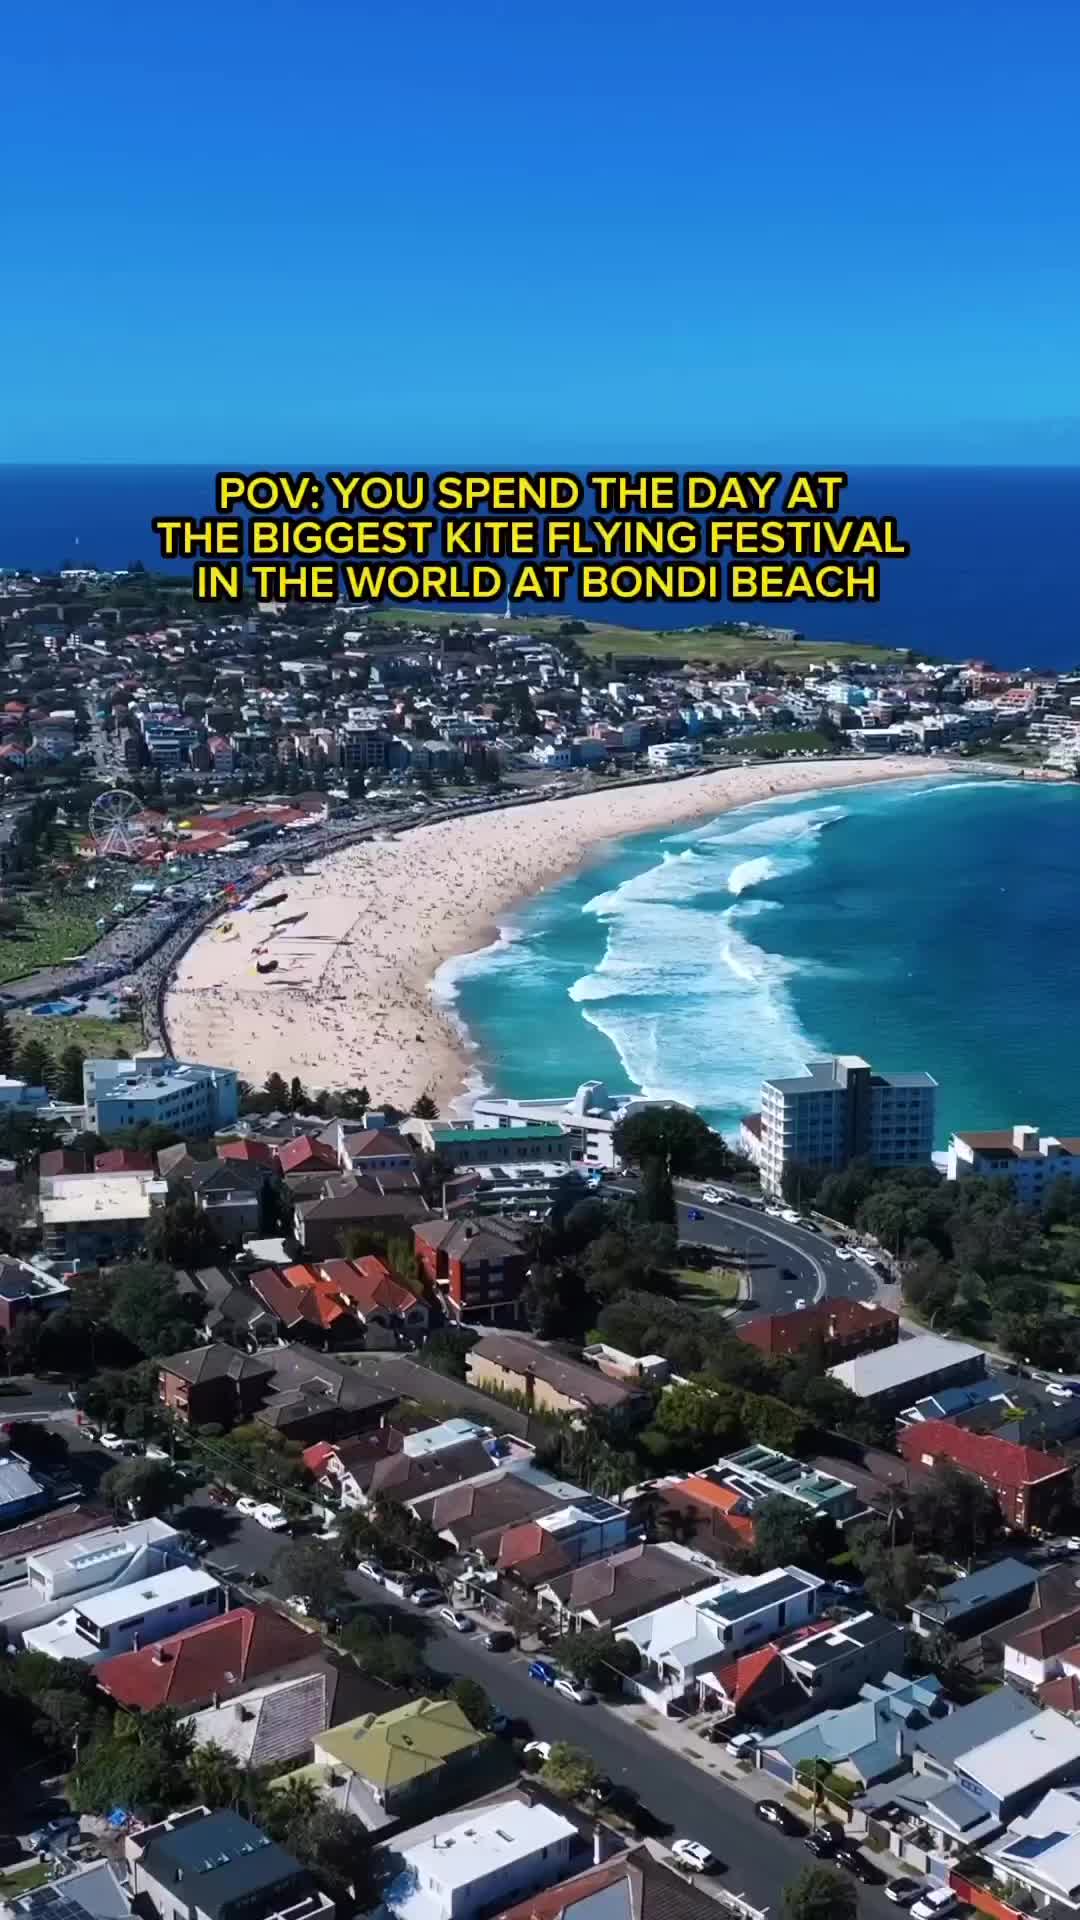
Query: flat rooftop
[{"x": 891, "y": 1368}]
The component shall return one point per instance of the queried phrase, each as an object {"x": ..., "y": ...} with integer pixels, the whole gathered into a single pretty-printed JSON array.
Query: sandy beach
[{"x": 358, "y": 939}]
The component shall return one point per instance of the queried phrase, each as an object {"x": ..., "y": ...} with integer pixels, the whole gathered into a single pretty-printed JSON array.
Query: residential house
[
  {"x": 231, "y": 1194},
  {"x": 271, "y": 1725},
  {"x": 27, "y": 1293},
  {"x": 895, "y": 1376},
  {"x": 844, "y": 1328},
  {"x": 1040, "y": 1851},
  {"x": 85, "y": 1565},
  {"x": 225, "y": 1657},
  {"x": 374, "y": 1150},
  {"x": 865, "y": 1743},
  {"x": 47, "y": 1530},
  {"x": 978, "y": 1601},
  {"x": 313, "y": 1396},
  {"x": 630, "y": 1886},
  {"x": 543, "y": 1377},
  {"x": 478, "y": 1266},
  {"x": 213, "y": 1386},
  {"x": 90, "y": 1893},
  {"x": 474, "y": 1863},
  {"x": 1031, "y": 1162},
  {"x": 380, "y": 1207},
  {"x": 1034, "y": 1654},
  {"x": 231, "y": 1312},
  {"x": 681, "y": 1640},
  {"x": 305, "y": 1307},
  {"x": 105, "y": 1624},
  {"x": 1031, "y": 1487},
  {"x": 20, "y": 1493},
  {"x": 1006, "y": 1773},
  {"x": 387, "y": 1310},
  {"x": 623, "y": 1586},
  {"x": 927, "y": 1806},
  {"x": 831, "y": 1665},
  {"x": 418, "y": 1753},
  {"x": 91, "y": 1217},
  {"x": 217, "y": 1866}
]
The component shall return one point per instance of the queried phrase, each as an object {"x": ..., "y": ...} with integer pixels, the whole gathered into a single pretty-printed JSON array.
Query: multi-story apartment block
[
  {"x": 1030, "y": 1161},
  {"x": 153, "y": 1089},
  {"x": 842, "y": 1110}
]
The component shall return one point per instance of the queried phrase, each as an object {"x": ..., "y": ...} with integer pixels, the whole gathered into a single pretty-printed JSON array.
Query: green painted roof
[
  {"x": 390, "y": 1749},
  {"x": 468, "y": 1136}
]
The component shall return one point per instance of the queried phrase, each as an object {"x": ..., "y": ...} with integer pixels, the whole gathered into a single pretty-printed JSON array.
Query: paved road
[{"x": 793, "y": 1263}]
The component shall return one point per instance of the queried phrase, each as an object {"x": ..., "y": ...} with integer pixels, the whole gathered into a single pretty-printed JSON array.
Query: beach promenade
[{"x": 359, "y": 938}]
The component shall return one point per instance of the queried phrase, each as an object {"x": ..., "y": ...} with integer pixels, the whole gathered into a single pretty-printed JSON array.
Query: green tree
[
  {"x": 656, "y": 1196},
  {"x": 787, "y": 1534},
  {"x": 144, "y": 1488},
  {"x": 820, "y": 1893},
  {"x": 389, "y": 1657},
  {"x": 595, "y": 1658},
  {"x": 474, "y": 1701},
  {"x": 312, "y": 1569},
  {"x": 180, "y": 1234},
  {"x": 141, "y": 1763},
  {"x": 299, "y": 1098},
  {"x": 954, "y": 1513},
  {"x": 676, "y": 1137},
  {"x": 216, "y": 1779},
  {"x": 34, "y": 1064},
  {"x": 569, "y": 1771},
  {"x": 7, "y": 1045},
  {"x": 424, "y": 1108},
  {"x": 274, "y": 1086},
  {"x": 696, "y": 1418},
  {"x": 70, "y": 1078},
  {"x": 146, "y": 1308}
]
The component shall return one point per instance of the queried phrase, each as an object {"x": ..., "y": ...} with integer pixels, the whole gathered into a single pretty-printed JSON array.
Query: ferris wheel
[{"x": 115, "y": 823}]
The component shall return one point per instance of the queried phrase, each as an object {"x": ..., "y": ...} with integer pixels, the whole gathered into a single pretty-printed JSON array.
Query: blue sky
[{"x": 573, "y": 230}]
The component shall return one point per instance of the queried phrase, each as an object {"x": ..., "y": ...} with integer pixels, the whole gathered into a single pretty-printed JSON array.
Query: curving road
[{"x": 791, "y": 1264}]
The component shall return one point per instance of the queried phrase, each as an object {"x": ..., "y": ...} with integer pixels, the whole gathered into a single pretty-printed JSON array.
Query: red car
[{"x": 219, "y": 1496}]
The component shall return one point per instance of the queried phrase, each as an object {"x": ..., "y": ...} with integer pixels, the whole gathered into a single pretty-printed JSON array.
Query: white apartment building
[
  {"x": 590, "y": 1116},
  {"x": 130, "y": 1616},
  {"x": 1030, "y": 1161},
  {"x": 83, "y": 1568},
  {"x": 154, "y": 1090},
  {"x": 482, "y": 1863},
  {"x": 841, "y": 1110}
]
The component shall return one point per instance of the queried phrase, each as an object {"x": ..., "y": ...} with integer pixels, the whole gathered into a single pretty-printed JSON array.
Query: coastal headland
[{"x": 360, "y": 936}]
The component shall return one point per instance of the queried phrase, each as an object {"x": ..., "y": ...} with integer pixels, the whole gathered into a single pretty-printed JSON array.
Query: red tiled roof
[
  {"x": 316, "y": 1457},
  {"x": 124, "y": 1160},
  {"x": 1054, "y": 1635},
  {"x": 318, "y": 1302},
  {"x": 1000, "y": 1463},
  {"x": 255, "y": 1152},
  {"x": 782, "y": 1333},
  {"x": 743, "y": 1676},
  {"x": 187, "y": 1668},
  {"x": 369, "y": 1283},
  {"x": 1063, "y": 1695},
  {"x": 297, "y": 1156},
  {"x": 532, "y": 1553},
  {"x": 710, "y": 1493}
]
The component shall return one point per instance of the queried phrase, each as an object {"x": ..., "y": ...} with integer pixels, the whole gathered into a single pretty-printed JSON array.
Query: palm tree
[{"x": 217, "y": 1779}]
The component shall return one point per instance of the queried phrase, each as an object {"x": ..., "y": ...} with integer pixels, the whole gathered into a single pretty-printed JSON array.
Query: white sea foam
[
  {"x": 463, "y": 966},
  {"x": 693, "y": 1007}
]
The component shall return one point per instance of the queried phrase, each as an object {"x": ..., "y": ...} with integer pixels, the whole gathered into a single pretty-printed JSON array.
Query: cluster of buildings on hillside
[{"x": 263, "y": 695}]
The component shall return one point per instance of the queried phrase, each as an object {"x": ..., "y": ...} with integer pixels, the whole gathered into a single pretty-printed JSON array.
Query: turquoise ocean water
[{"x": 924, "y": 924}]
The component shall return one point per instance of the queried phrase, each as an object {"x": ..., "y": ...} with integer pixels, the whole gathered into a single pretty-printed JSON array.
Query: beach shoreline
[{"x": 352, "y": 998}]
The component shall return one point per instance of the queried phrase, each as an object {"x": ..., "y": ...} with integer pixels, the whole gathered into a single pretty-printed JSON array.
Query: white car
[
  {"x": 693, "y": 1856},
  {"x": 902, "y": 1889},
  {"x": 540, "y": 1748},
  {"x": 933, "y": 1906},
  {"x": 114, "y": 1443},
  {"x": 459, "y": 1621},
  {"x": 571, "y": 1691},
  {"x": 789, "y": 1214},
  {"x": 712, "y": 1197},
  {"x": 271, "y": 1517},
  {"x": 371, "y": 1570},
  {"x": 247, "y": 1505},
  {"x": 844, "y": 1253},
  {"x": 297, "y": 1604},
  {"x": 153, "y": 1452},
  {"x": 800, "y": 1304},
  {"x": 871, "y": 1257}
]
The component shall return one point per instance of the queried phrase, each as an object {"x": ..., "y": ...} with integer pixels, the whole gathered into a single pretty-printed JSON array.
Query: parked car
[
  {"x": 572, "y": 1690},
  {"x": 115, "y": 1443},
  {"x": 500, "y": 1640},
  {"x": 824, "y": 1840},
  {"x": 902, "y": 1890},
  {"x": 777, "y": 1816},
  {"x": 856, "y": 1862},
  {"x": 537, "y": 1750},
  {"x": 247, "y": 1505},
  {"x": 694, "y": 1213},
  {"x": 712, "y": 1197},
  {"x": 693, "y": 1856},
  {"x": 843, "y": 1253},
  {"x": 460, "y": 1622},
  {"x": 934, "y": 1905},
  {"x": 297, "y": 1604},
  {"x": 274, "y": 1519},
  {"x": 154, "y": 1452},
  {"x": 426, "y": 1596},
  {"x": 371, "y": 1570},
  {"x": 543, "y": 1671}
]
